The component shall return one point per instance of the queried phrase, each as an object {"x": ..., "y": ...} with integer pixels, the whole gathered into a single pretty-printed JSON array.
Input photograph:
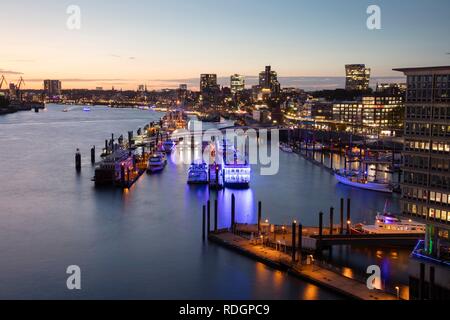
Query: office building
[
  {"x": 268, "y": 82},
  {"x": 375, "y": 114},
  {"x": 237, "y": 83},
  {"x": 357, "y": 77},
  {"x": 208, "y": 83},
  {"x": 52, "y": 88},
  {"x": 426, "y": 178}
]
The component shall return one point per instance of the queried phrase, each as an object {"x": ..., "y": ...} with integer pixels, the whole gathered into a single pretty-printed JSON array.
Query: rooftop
[{"x": 418, "y": 69}]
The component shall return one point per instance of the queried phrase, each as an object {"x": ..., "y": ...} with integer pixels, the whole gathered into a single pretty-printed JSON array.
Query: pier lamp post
[
  {"x": 349, "y": 223},
  {"x": 398, "y": 292}
]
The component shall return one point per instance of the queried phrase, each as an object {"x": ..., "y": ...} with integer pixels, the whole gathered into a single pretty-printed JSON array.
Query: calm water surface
[{"x": 146, "y": 243}]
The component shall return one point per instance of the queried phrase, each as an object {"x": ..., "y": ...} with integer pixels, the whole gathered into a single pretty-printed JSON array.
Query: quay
[
  {"x": 298, "y": 249},
  {"x": 312, "y": 273}
]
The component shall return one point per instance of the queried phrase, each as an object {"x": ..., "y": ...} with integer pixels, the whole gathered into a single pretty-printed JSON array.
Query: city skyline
[{"x": 172, "y": 42}]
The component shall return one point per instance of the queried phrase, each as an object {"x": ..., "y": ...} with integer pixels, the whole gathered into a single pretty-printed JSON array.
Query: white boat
[
  {"x": 312, "y": 146},
  {"x": 358, "y": 180},
  {"x": 198, "y": 173},
  {"x": 86, "y": 109},
  {"x": 389, "y": 224},
  {"x": 286, "y": 148},
  {"x": 168, "y": 146},
  {"x": 156, "y": 163}
]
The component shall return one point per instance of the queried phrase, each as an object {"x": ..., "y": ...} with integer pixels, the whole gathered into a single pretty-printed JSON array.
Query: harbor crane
[{"x": 3, "y": 81}]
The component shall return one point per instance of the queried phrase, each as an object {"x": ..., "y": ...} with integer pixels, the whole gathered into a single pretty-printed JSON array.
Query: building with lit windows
[
  {"x": 357, "y": 77},
  {"x": 237, "y": 83},
  {"x": 426, "y": 181},
  {"x": 52, "y": 88},
  {"x": 208, "y": 82},
  {"x": 268, "y": 82},
  {"x": 376, "y": 114}
]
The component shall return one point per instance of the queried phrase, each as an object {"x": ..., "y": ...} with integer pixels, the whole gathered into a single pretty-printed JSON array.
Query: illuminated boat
[
  {"x": 86, "y": 109},
  {"x": 360, "y": 180},
  {"x": 198, "y": 173},
  {"x": 286, "y": 148},
  {"x": 112, "y": 169},
  {"x": 168, "y": 146},
  {"x": 236, "y": 170},
  {"x": 156, "y": 163},
  {"x": 387, "y": 223},
  {"x": 312, "y": 146}
]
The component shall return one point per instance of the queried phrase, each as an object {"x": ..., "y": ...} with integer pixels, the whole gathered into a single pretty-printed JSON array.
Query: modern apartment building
[{"x": 426, "y": 181}]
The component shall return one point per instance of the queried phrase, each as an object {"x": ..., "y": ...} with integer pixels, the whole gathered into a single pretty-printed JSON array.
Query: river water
[{"x": 146, "y": 243}]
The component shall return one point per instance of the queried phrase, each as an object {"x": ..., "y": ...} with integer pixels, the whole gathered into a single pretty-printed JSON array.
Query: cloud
[
  {"x": 2, "y": 71},
  {"x": 132, "y": 58},
  {"x": 81, "y": 80}
]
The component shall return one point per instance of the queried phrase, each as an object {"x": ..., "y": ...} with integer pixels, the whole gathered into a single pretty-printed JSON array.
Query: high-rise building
[
  {"x": 268, "y": 82},
  {"x": 52, "y": 87},
  {"x": 208, "y": 82},
  {"x": 426, "y": 177},
  {"x": 237, "y": 83},
  {"x": 357, "y": 77},
  {"x": 183, "y": 87},
  {"x": 372, "y": 114}
]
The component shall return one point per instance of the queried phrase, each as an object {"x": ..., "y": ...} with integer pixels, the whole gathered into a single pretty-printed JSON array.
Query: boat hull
[{"x": 379, "y": 187}]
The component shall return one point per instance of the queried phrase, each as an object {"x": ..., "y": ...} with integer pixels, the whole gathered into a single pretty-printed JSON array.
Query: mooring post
[
  {"x": 209, "y": 218},
  {"x": 78, "y": 160},
  {"x": 204, "y": 224},
  {"x": 300, "y": 242},
  {"x": 342, "y": 216},
  {"x": 233, "y": 212},
  {"x": 216, "y": 209},
  {"x": 259, "y": 216},
  {"x": 294, "y": 240},
  {"x": 122, "y": 175},
  {"x": 320, "y": 225},
  {"x": 331, "y": 154},
  {"x": 331, "y": 220},
  {"x": 348, "y": 215},
  {"x": 93, "y": 155}
]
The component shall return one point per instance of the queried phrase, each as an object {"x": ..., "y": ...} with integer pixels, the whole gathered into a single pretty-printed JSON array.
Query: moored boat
[
  {"x": 169, "y": 146},
  {"x": 198, "y": 173},
  {"x": 156, "y": 163},
  {"x": 360, "y": 180},
  {"x": 286, "y": 148}
]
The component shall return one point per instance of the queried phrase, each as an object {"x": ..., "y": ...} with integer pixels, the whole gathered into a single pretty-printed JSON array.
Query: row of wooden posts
[{"x": 297, "y": 239}]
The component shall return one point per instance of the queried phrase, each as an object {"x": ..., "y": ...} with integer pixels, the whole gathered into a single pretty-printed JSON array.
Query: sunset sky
[{"x": 164, "y": 42}]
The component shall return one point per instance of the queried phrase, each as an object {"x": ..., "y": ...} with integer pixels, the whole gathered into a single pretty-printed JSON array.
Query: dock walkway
[{"x": 312, "y": 273}]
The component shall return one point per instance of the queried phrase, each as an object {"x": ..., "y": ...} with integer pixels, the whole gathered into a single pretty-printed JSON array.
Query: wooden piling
[
  {"x": 233, "y": 212},
  {"x": 209, "y": 217},
  {"x": 78, "y": 160},
  {"x": 204, "y": 223},
  {"x": 93, "y": 155},
  {"x": 294, "y": 240},
  {"x": 331, "y": 220},
  {"x": 259, "y": 216},
  {"x": 342, "y": 216},
  {"x": 348, "y": 215},
  {"x": 300, "y": 242},
  {"x": 216, "y": 222}
]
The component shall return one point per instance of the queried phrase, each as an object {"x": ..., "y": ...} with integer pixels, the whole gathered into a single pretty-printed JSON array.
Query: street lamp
[{"x": 398, "y": 292}]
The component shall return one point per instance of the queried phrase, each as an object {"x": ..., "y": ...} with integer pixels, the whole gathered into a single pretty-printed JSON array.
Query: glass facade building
[{"x": 426, "y": 181}]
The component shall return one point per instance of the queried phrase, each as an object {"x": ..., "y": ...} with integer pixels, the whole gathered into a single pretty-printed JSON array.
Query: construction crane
[
  {"x": 3, "y": 81},
  {"x": 19, "y": 85}
]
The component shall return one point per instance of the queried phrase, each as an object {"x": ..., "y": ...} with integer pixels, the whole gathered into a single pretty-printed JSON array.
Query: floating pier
[{"x": 295, "y": 248}]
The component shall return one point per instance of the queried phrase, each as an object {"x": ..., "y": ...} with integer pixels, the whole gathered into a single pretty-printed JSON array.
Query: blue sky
[{"x": 137, "y": 41}]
